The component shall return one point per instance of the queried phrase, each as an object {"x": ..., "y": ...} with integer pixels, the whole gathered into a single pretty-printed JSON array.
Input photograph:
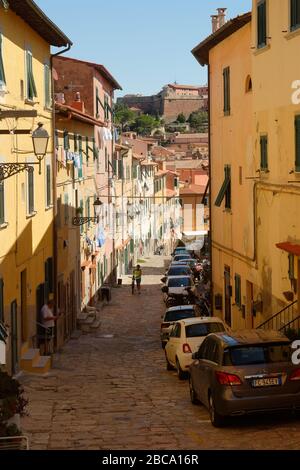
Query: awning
[{"x": 292, "y": 248}]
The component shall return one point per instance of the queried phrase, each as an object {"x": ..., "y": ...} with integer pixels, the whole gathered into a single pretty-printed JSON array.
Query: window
[
  {"x": 226, "y": 85},
  {"x": 47, "y": 84},
  {"x": 48, "y": 186},
  {"x": 31, "y": 88},
  {"x": 297, "y": 139},
  {"x": 75, "y": 143},
  {"x": 264, "y": 152},
  {"x": 95, "y": 153},
  {"x": 97, "y": 102},
  {"x": 295, "y": 14},
  {"x": 248, "y": 84},
  {"x": 106, "y": 107},
  {"x": 66, "y": 141},
  {"x": 2, "y": 207},
  {"x": 30, "y": 192},
  {"x": 262, "y": 24},
  {"x": 238, "y": 296},
  {"x": 291, "y": 267},
  {"x": 2, "y": 73},
  {"x": 225, "y": 191}
]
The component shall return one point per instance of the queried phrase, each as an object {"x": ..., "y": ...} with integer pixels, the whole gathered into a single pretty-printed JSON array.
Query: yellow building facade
[
  {"x": 255, "y": 155},
  {"x": 26, "y": 225}
]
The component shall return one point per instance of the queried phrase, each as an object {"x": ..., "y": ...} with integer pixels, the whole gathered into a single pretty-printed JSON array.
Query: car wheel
[
  {"x": 181, "y": 374},
  {"x": 193, "y": 394},
  {"x": 217, "y": 420},
  {"x": 169, "y": 367}
]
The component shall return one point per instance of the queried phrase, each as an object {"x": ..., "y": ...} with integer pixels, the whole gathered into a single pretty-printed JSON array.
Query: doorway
[
  {"x": 228, "y": 293},
  {"x": 249, "y": 311},
  {"x": 24, "y": 319},
  {"x": 14, "y": 336}
]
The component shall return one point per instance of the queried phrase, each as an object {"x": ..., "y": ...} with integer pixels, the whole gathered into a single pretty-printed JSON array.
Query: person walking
[
  {"x": 137, "y": 278},
  {"x": 48, "y": 323}
]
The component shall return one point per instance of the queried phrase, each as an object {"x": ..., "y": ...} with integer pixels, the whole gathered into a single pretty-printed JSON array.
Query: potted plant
[{"x": 13, "y": 405}]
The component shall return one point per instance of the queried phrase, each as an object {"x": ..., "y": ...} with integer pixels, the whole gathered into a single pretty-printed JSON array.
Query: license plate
[{"x": 267, "y": 382}]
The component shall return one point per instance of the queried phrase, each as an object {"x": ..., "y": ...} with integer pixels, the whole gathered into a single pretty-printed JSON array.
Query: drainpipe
[
  {"x": 55, "y": 239},
  {"x": 210, "y": 195}
]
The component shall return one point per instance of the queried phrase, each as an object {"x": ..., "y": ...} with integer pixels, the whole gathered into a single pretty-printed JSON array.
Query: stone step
[
  {"x": 96, "y": 324},
  {"x": 42, "y": 366},
  {"x": 82, "y": 316},
  {"x": 88, "y": 321},
  {"x": 30, "y": 357}
]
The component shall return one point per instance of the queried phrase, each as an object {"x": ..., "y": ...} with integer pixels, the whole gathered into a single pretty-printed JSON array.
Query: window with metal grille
[
  {"x": 262, "y": 24},
  {"x": 264, "y": 152},
  {"x": 2, "y": 72},
  {"x": 30, "y": 192},
  {"x": 226, "y": 85},
  {"x": 295, "y": 14},
  {"x": 31, "y": 88}
]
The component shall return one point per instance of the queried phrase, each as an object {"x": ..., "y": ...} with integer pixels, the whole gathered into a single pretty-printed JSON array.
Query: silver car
[{"x": 244, "y": 372}]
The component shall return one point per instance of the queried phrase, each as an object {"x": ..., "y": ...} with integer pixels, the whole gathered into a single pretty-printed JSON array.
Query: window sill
[
  {"x": 30, "y": 102},
  {"x": 292, "y": 33},
  {"x": 228, "y": 211},
  {"x": 30, "y": 216},
  {"x": 48, "y": 108},
  {"x": 260, "y": 50},
  {"x": 48, "y": 208},
  {"x": 4, "y": 225}
]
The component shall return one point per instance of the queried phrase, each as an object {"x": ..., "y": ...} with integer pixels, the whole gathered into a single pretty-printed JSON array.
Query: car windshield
[
  {"x": 179, "y": 270},
  {"x": 203, "y": 329},
  {"x": 179, "y": 315},
  {"x": 180, "y": 282},
  {"x": 262, "y": 354},
  {"x": 181, "y": 257}
]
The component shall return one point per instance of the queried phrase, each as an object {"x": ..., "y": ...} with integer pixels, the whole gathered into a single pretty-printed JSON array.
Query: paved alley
[{"x": 111, "y": 390}]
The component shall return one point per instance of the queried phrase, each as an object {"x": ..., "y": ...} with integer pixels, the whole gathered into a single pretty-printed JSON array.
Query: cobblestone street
[{"x": 111, "y": 390}]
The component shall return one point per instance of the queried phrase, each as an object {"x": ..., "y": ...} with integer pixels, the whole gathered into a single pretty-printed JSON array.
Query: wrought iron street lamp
[
  {"x": 78, "y": 221},
  {"x": 40, "y": 140}
]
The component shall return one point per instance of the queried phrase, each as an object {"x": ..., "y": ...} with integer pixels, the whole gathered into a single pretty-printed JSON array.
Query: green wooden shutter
[
  {"x": 97, "y": 102},
  {"x": 47, "y": 82},
  {"x": 87, "y": 148},
  {"x": 261, "y": 24},
  {"x": 75, "y": 143},
  {"x": 237, "y": 278},
  {"x": 80, "y": 144},
  {"x": 66, "y": 140},
  {"x": 228, "y": 189},
  {"x": 226, "y": 85},
  {"x": 80, "y": 172},
  {"x": 48, "y": 185},
  {"x": 1, "y": 300},
  {"x": 31, "y": 88},
  {"x": 295, "y": 14},
  {"x": 2, "y": 203},
  {"x": 94, "y": 149},
  {"x": 81, "y": 214},
  {"x": 223, "y": 189},
  {"x": 297, "y": 138},
  {"x": 264, "y": 152},
  {"x": 2, "y": 72},
  {"x": 30, "y": 192}
]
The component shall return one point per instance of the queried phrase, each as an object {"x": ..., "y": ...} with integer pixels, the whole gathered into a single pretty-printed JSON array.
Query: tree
[
  {"x": 198, "y": 120},
  {"x": 144, "y": 124},
  {"x": 124, "y": 116},
  {"x": 181, "y": 118}
]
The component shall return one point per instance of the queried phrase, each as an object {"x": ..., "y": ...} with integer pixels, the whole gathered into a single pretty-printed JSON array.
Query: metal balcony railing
[{"x": 282, "y": 320}]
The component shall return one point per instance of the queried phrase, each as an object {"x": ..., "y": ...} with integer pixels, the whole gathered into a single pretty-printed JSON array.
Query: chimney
[
  {"x": 215, "y": 23},
  {"x": 78, "y": 104},
  {"x": 222, "y": 16}
]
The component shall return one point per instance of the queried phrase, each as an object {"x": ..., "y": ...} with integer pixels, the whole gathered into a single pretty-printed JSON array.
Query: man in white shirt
[{"x": 48, "y": 321}]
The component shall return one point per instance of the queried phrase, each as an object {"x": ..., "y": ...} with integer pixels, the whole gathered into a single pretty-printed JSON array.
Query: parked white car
[
  {"x": 185, "y": 338},
  {"x": 178, "y": 285}
]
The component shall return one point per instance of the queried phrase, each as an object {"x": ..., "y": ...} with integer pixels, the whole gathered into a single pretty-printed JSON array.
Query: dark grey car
[{"x": 246, "y": 372}]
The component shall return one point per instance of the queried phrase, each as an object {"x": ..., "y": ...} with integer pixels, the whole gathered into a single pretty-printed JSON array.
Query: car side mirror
[
  {"x": 165, "y": 289},
  {"x": 163, "y": 279}
]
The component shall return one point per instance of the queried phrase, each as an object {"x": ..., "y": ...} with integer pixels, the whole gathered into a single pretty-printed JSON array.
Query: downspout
[
  {"x": 210, "y": 195},
  {"x": 54, "y": 191}
]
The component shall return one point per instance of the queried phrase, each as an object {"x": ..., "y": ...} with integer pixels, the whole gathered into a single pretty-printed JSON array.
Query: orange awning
[{"x": 292, "y": 248}]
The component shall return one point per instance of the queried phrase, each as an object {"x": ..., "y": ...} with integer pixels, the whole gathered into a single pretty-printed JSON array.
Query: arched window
[{"x": 248, "y": 84}]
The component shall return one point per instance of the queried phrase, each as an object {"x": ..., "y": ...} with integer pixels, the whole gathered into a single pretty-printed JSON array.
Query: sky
[{"x": 145, "y": 44}]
